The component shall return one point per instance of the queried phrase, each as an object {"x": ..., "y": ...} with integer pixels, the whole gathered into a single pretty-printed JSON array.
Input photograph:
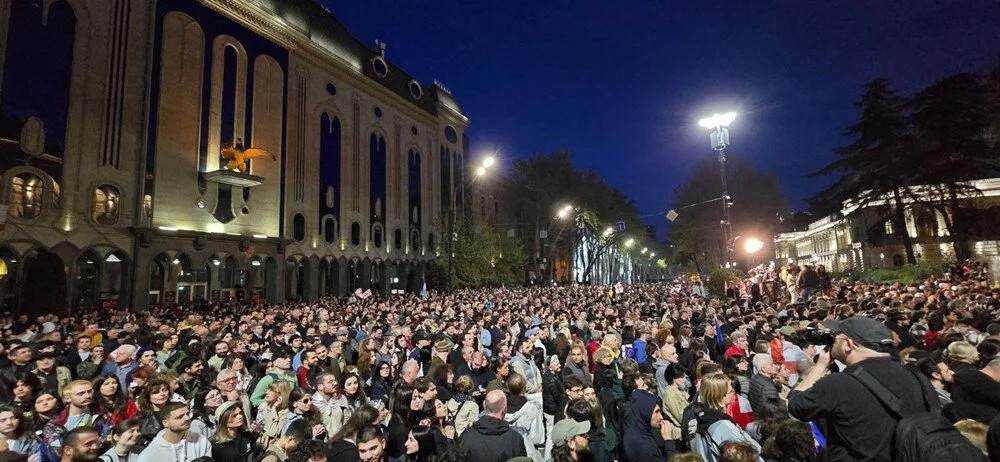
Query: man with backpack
[{"x": 876, "y": 409}]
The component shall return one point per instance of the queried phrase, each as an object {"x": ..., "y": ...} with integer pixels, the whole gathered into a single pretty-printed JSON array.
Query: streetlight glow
[
  {"x": 489, "y": 161},
  {"x": 480, "y": 171},
  {"x": 652, "y": 254},
  {"x": 629, "y": 242},
  {"x": 718, "y": 120},
  {"x": 608, "y": 231},
  {"x": 644, "y": 249},
  {"x": 752, "y": 245}
]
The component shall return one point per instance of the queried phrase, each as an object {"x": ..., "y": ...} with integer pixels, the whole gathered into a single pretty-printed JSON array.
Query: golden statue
[{"x": 238, "y": 157}]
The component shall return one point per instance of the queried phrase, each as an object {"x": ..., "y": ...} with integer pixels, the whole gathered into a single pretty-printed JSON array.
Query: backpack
[
  {"x": 254, "y": 382},
  {"x": 260, "y": 457},
  {"x": 922, "y": 436}
]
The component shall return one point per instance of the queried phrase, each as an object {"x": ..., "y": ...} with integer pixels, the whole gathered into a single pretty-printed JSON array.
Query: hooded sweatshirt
[
  {"x": 640, "y": 444},
  {"x": 526, "y": 419},
  {"x": 705, "y": 429},
  {"x": 191, "y": 447},
  {"x": 491, "y": 440}
]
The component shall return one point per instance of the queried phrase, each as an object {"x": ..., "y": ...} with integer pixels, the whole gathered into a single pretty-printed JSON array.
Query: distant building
[
  {"x": 113, "y": 118},
  {"x": 854, "y": 239}
]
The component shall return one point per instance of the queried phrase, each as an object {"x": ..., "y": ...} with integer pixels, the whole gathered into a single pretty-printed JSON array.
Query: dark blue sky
[{"x": 622, "y": 84}]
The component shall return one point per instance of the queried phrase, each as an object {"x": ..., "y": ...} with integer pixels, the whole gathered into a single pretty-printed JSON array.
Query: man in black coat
[{"x": 491, "y": 439}]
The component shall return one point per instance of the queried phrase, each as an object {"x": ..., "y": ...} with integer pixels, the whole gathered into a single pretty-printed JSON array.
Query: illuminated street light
[
  {"x": 644, "y": 249},
  {"x": 480, "y": 171},
  {"x": 629, "y": 243},
  {"x": 651, "y": 255},
  {"x": 720, "y": 141},
  {"x": 564, "y": 212},
  {"x": 489, "y": 161},
  {"x": 752, "y": 245},
  {"x": 608, "y": 231},
  {"x": 718, "y": 120}
]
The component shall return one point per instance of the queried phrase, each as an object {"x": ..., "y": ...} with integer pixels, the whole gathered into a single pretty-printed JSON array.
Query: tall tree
[
  {"x": 876, "y": 164},
  {"x": 757, "y": 205},
  {"x": 951, "y": 120}
]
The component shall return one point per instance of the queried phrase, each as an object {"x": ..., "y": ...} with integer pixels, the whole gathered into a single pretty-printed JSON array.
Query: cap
[
  {"x": 787, "y": 331},
  {"x": 566, "y": 429},
  {"x": 867, "y": 332},
  {"x": 222, "y": 410}
]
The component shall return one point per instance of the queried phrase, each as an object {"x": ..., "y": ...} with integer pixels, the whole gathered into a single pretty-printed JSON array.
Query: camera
[{"x": 818, "y": 337}]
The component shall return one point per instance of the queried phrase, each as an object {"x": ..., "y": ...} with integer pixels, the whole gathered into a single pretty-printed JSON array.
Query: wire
[{"x": 682, "y": 207}]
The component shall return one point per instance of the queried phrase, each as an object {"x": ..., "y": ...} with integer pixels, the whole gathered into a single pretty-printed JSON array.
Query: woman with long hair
[
  {"x": 443, "y": 376},
  {"x": 715, "y": 395},
  {"x": 112, "y": 398},
  {"x": 738, "y": 368},
  {"x": 343, "y": 443},
  {"x": 302, "y": 408},
  {"x": 272, "y": 413},
  {"x": 206, "y": 401},
  {"x": 366, "y": 359},
  {"x": 123, "y": 438},
  {"x": 406, "y": 405},
  {"x": 47, "y": 405},
  {"x": 420, "y": 446},
  {"x": 381, "y": 383},
  {"x": 152, "y": 398},
  {"x": 231, "y": 440},
  {"x": 14, "y": 433}
]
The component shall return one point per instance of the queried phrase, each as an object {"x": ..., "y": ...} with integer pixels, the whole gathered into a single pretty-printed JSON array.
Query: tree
[
  {"x": 876, "y": 164},
  {"x": 951, "y": 120},
  {"x": 757, "y": 205}
]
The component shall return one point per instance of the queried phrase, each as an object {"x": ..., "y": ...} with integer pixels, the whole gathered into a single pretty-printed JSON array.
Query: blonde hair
[
  {"x": 713, "y": 390},
  {"x": 974, "y": 431},
  {"x": 963, "y": 352},
  {"x": 283, "y": 389},
  {"x": 67, "y": 390}
]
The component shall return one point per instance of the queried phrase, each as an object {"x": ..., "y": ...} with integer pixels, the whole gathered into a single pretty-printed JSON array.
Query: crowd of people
[{"x": 638, "y": 373}]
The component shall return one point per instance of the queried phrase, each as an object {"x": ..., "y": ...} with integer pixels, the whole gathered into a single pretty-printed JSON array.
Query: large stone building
[
  {"x": 113, "y": 117},
  {"x": 861, "y": 238}
]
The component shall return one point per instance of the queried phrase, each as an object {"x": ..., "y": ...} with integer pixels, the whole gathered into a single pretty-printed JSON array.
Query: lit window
[
  {"x": 26, "y": 191},
  {"x": 107, "y": 201}
]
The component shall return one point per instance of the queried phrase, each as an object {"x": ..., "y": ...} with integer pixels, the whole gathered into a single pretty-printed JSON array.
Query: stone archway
[
  {"x": 86, "y": 281},
  {"x": 9, "y": 266},
  {"x": 44, "y": 284}
]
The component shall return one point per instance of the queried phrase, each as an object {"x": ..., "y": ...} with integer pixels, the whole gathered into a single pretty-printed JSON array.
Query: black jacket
[
  {"x": 237, "y": 449},
  {"x": 343, "y": 451},
  {"x": 491, "y": 440},
  {"x": 640, "y": 443},
  {"x": 553, "y": 392}
]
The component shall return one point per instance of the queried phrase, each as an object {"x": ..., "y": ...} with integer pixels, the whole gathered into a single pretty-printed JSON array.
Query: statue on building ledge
[{"x": 238, "y": 157}]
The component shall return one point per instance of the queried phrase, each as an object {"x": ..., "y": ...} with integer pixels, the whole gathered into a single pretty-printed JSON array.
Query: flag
[
  {"x": 364, "y": 295},
  {"x": 358, "y": 292},
  {"x": 423, "y": 291},
  {"x": 718, "y": 332}
]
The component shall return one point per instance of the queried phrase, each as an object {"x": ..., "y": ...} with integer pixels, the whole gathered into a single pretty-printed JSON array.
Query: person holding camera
[{"x": 852, "y": 411}]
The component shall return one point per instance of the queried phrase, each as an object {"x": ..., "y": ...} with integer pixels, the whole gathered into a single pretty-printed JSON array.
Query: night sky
[{"x": 622, "y": 84}]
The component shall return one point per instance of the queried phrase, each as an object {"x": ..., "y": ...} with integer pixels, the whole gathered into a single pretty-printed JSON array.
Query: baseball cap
[
  {"x": 566, "y": 429},
  {"x": 867, "y": 332},
  {"x": 787, "y": 331}
]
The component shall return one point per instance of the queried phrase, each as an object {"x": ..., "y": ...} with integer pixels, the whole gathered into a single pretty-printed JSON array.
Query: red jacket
[{"x": 734, "y": 351}]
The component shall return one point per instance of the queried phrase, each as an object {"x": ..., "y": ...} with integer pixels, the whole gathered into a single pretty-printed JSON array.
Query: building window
[
  {"x": 377, "y": 236},
  {"x": 106, "y": 203},
  {"x": 378, "y": 112},
  {"x": 397, "y": 238},
  {"x": 380, "y": 67},
  {"x": 298, "y": 227},
  {"x": 329, "y": 230},
  {"x": 26, "y": 192},
  {"x": 415, "y": 240},
  {"x": 331, "y": 89},
  {"x": 416, "y": 91},
  {"x": 355, "y": 234},
  {"x": 450, "y": 134}
]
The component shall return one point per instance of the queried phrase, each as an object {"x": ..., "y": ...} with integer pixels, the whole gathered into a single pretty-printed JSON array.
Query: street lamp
[
  {"x": 753, "y": 245},
  {"x": 480, "y": 171},
  {"x": 644, "y": 249},
  {"x": 608, "y": 231},
  {"x": 720, "y": 141},
  {"x": 629, "y": 243},
  {"x": 564, "y": 212}
]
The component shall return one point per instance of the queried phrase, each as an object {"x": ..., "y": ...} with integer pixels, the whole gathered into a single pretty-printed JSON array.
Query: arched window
[
  {"x": 430, "y": 241},
  {"x": 329, "y": 230},
  {"x": 377, "y": 236},
  {"x": 377, "y": 178},
  {"x": 106, "y": 203},
  {"x": 397, "y": 238},
  {"x": 415, "y": 240},
  {"x": 355, "y": 234},
  {"x": 298, "y": 227},
  {"x": 413, "y": 185},
  {"x": 26, "y": 192}
]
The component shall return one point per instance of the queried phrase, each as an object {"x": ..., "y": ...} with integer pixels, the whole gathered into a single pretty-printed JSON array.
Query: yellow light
[
  {"x": 752, "y": 245},
  {"x": 644, "y": 249},
  {"x": 629, "y": 242},
  {"x": 489, "y": 161},
  {"x": 480, "y": 171}
]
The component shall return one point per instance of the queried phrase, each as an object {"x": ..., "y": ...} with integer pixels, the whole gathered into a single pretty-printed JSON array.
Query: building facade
[
  {"x": 113, "y": 170},
  {"x": 860, "y": 238}
]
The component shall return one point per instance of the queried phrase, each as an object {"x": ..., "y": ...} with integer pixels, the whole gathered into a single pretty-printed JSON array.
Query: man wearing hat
[
  {"x": 570, "y": 440},
  {"x": 844, "y": 400},
  {"x": 439, "y": 355}
]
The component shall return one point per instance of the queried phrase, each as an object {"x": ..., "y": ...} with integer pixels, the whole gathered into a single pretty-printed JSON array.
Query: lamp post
[
  {"x": 720, "y": 141},
  {"x": 480, "y": 171}
]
